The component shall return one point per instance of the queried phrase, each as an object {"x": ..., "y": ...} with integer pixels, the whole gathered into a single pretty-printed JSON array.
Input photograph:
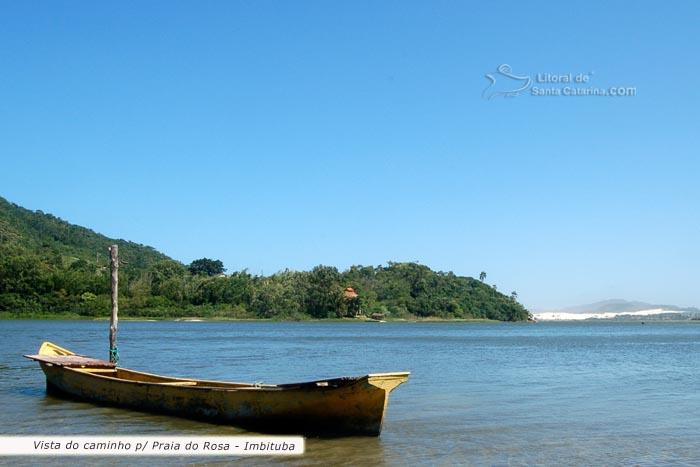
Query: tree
[
  {"x": 514, "y": 295},
  {"x": 482, "y": 276},
  {"x": 206, "y": 267},
  {"x": 324, "y": 292}
]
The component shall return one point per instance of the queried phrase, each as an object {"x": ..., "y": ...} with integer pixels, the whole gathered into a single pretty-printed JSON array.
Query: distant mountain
[{"x": 623, "y": 306}]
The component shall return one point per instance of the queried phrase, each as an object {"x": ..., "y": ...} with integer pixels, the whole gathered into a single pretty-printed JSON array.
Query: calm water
[{"x": 559, "y": 394}]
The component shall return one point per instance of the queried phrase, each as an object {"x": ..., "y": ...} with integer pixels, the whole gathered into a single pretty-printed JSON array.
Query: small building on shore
[{"x": 350, "y": 293}]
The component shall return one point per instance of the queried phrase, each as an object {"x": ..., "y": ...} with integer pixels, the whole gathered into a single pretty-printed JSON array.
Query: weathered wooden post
[{"x": 114, "y": 262}]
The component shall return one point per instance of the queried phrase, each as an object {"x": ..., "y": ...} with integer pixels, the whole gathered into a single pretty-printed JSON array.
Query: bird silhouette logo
[{"x": 504, "y": 78}]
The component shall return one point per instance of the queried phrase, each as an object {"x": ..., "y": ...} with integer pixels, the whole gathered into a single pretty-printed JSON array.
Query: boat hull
[{"x": 334, "y": 407}]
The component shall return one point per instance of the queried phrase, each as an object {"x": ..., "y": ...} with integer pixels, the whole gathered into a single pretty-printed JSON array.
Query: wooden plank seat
[{"x": 78, "y": 361}]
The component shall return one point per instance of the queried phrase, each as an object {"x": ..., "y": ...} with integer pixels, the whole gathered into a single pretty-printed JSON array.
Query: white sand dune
[{"x": 561, "y": 316}]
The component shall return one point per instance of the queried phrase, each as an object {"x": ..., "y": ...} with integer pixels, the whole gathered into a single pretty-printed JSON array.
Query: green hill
[
  {"x": 46, "y": 234},
  {"x": 51, "y": 267}
]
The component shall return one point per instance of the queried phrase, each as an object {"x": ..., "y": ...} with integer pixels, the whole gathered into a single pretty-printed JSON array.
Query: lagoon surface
[{"x": 480, "y": 394}]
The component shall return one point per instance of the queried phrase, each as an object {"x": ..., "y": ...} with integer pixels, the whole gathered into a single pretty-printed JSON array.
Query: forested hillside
[{"x": 48, "y": 266}]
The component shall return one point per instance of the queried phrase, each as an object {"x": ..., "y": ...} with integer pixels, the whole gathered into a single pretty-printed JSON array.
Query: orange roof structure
[{"x": 350, "y": 292}]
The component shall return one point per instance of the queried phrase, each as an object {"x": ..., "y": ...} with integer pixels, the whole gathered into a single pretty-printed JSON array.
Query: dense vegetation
[{"x": 48, "y": 266}]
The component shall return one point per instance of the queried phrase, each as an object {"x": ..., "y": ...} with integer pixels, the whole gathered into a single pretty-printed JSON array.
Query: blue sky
[{"x": 277, "y": 135}]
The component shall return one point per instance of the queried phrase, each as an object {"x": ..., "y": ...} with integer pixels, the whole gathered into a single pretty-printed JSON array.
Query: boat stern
[
  {"x": 388, "y": 381},
  {"x": 49, "y": 348}
]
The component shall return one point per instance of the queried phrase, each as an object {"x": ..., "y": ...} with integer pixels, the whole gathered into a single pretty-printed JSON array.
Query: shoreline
[
  {"x": 626, "y": 318},
  {"x": 4, "y": 316}
]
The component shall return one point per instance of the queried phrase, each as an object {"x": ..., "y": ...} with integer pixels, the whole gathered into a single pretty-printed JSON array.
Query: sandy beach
[{"x": 562, "y": 316}]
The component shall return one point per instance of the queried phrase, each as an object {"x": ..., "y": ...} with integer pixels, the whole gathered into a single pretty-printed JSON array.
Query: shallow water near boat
[{"x": 590, "y": 393}]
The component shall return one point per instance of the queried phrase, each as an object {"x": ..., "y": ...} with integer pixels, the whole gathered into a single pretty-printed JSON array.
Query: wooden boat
[{"x": 332, "y": 407}]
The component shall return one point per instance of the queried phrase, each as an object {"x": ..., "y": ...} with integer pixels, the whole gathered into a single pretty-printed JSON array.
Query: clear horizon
[{"x": 554, "y": 148}]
